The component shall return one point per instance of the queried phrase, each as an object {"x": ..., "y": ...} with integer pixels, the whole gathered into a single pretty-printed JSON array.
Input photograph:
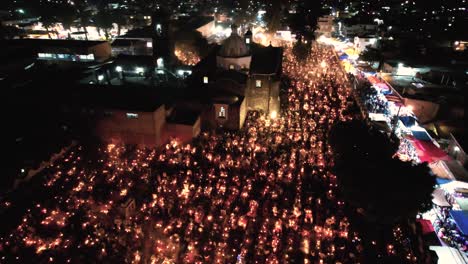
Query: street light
[{"x": 118, "y": 69}]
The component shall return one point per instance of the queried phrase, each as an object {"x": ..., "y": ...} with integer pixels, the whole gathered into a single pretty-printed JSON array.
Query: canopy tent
[
  {"x": 426, "y": 226},
  {"x": 352, "y": 53},
  {"x": 438, "y": 198},
  {"x": 421, "y": 135},
  {"x": 408, "y": 121},
  {"x": 427, "y": 151},
  {"x": 393, "y": 98},
  {"x": 383, "y": 88},
  {"x": 373, "y": 79},
  {"x": 348, "y": 66},
  {"x": 451, "y": 186},
  {"x": 441, "y": 181},
  {"x": 449, "y": 255},
  {"x": 461, "y": 219},
  {"x": 377, "y": 117},
  {"x": 343, "y": 57}
]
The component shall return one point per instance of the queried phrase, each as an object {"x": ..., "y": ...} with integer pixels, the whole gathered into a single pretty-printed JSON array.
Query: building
[
  {"x": 65, "y": 51},
  {"x": 237, "y": 76},
  {"x": 131, "y": 43},
  {"x": 351, "y": 30},
  {"x": 130, "y": 114},
  {"x": 130, "y": 47},
  {"x": 324, "y": 26}
]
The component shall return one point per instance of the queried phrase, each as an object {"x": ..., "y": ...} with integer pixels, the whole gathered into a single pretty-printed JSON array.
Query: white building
[{"x": 324, "y": 26}]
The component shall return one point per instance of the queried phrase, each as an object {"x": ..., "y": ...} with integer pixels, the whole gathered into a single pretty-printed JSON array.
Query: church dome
[{"x": 234, "y": 46}]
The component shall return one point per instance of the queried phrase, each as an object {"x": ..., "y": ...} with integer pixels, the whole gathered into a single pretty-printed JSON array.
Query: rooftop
[
  {"x": 266, "y": 60},
  {"x": 51, "y": 43},
  {"x": 132, "y": 98},
  {"x": 193, "y": 23},
  {"x": 126, "y": 42}
]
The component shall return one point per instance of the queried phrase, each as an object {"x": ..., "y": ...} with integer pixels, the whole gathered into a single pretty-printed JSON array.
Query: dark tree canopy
[
  {"x": 304, "y": 21},
  {"x": 387, "y": 188}
]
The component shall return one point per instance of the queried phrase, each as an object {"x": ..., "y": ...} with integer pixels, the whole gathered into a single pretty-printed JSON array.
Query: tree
[
  {"x": 273, "y": 15},
  {"x": 103, "y": 21},
  {"x": 304, "y": 21},
  {"x": 47, "y": 14},
  {"x": 386, "y": 188},
  {"x": 84, "y": 18},
  {"x": 301, "y": 50},
  {"x": 67, "y": 15},
  {"x": 120, "y": 18},
  {"x": 373, "y": 55}
]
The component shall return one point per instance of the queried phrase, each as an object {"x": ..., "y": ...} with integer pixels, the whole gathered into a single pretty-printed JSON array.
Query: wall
[
  {"x": 145, "y": 130},
  {"x": 242, "y": 113},
  {"x": 258, "y": 97},
  {"x": 101, "y": 52},
  {"x": 159, "y": 119},
  {"x": 180, "y": 131},
  {"x": 239, "y": 63}
]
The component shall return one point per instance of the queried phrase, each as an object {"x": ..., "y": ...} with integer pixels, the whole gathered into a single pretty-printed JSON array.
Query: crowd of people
[
  {"x": 448, "y": 232},
  {"x": 375, "y": 102},
  {"x": 264, "y": 194}
]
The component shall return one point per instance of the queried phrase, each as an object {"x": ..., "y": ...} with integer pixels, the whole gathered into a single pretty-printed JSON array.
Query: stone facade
[{"x": 263, "y": 93}]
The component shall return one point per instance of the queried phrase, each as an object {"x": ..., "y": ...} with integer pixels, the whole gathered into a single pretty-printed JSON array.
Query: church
[{"x": 236, "y": 77}]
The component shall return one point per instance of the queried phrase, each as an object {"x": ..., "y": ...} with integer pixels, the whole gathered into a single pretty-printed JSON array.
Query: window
[
  {"x": 247, "y": 40},
  {"x": 108, "y": 113},
  {"x": 222, "y": 112},
  {"x": 231, "y": 66},
  {"x": 205, "y": 79},
  {"x": 149, "y": 44},
  {"x": 132, "y": 116},
  {"x": 258, "y": 83}
]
